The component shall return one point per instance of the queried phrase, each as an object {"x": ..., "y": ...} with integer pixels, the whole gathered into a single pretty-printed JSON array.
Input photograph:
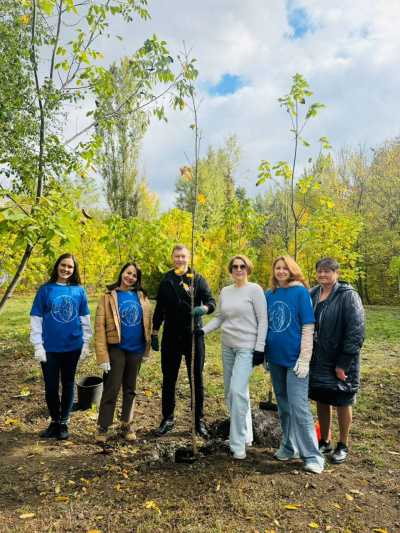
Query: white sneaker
[
  {"x": 314, "y": 468},
  {"x": 281, "y": 456},
  {"x": 240, "y": 455}
]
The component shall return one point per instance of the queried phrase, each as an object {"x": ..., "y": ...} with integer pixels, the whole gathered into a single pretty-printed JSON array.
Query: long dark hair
[
  {"x": 75, "y": 279},
  {"x": 138, "y": 285}
]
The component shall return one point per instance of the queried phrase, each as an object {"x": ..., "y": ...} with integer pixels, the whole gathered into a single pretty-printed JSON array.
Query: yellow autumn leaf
[
  {"x": 100, "y": 55},
  {"x": 276, "y": 522},
  {"x": 95, "y": 531},
  {"x": 314, "y": 525},
  {"x": 291, "y": 507},
  {"x": 25, "y": 19},
  {"x": 378, "y": 530},
  {"x": 348, "y": 497},
  {"x": 187, "y": 176},
  {"x": 218, "y": 487},
  {"x": 179, "y": 271},
  {"x": 99, "y": 517},
  {"x": 11, "y": 421},
  {"x": 190, "y": 275},
  {"x": 27, "y": 515},
  {"x": 394, "y": 453},
  {"x": 71, "y": 482},
  {"x": 57, "y": 489},
  {"x": 201, "y": 199},
  {"x": 148, "y": 393},
  {"x": 358, "y": 509},
  {"x": 84, "y": 489},
  {"x": 118, "y": 487},
  {"x": 337, "y": 505},
  {"x": 192, "y": 126},
  {"x": 186, "y": 286},
  {"x": 61, "y": 499},
  {"x": 85, "y": 481}
]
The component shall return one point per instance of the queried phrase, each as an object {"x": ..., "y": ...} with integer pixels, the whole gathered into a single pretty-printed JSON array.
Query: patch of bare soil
[{"x": 46, "y": 486}]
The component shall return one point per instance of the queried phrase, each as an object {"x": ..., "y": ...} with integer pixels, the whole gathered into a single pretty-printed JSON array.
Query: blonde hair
[
  {"x": 245, "y": 260},
  {"x": 296, "y": 273}
]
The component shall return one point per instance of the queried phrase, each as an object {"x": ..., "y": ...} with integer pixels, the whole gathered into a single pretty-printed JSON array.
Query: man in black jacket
[{"x": 174, "y": 309}]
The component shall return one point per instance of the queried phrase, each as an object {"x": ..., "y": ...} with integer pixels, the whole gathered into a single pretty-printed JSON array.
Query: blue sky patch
[
  {"x": 228, "y": 85},
  {"x": 299, "y": 20}
]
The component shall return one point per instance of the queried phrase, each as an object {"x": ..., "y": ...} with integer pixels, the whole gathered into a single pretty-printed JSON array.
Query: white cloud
[{"x": 350, "y": 59}]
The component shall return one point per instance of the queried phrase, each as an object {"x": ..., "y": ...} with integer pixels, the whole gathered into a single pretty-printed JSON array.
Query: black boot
[
  {"x": 62, "y": 433},
  {"x": 201, "y": 429},
  {"x": 165, "y": 426},
  {"x": 51, "y": 431}
]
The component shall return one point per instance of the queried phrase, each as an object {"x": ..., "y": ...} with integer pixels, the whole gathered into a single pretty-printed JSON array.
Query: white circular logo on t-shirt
[
  {"x": 63, "y": 309},
  {"x": 280, "y": 317},
  {"x": 129, "y": 313}
]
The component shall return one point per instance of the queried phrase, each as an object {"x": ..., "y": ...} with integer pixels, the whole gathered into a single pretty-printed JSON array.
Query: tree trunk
[{"x": 17, "y": 278}]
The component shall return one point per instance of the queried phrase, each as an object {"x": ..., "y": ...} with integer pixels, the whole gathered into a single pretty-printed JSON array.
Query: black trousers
[{"x": 172, "y": 350}]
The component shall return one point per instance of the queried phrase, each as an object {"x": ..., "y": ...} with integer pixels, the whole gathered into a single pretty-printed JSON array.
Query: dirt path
[{"x": 74, "y": 487}]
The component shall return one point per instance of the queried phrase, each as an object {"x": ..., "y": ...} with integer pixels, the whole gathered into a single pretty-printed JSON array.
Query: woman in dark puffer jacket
[{"x": 335, "y": 365}]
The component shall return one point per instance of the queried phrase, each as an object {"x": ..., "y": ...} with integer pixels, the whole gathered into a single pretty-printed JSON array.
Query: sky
[{"x": 247, "y": 53}]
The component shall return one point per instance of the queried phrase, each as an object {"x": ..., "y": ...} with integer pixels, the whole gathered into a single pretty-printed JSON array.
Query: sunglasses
[{"x": 240, "y": 267}]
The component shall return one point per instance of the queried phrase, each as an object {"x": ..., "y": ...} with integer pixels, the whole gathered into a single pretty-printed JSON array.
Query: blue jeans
[
  {"x": 299, "y": 435},
  {"x": 64, "y": 363},
  {"x": 238, "y": 367}
]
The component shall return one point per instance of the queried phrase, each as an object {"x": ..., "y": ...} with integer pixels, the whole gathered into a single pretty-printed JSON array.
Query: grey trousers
[{"x": 124, "y": 371}]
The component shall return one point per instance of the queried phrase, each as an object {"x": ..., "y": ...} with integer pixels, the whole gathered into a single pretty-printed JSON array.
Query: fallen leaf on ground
[
  {"x": 314, "y": 525},
  {"x": 378, "y": 530},
  {"x": 11, "y": 421},
  {"x": 291, "y": 507},
  {"x": 395, "y": 453},
  {"x": 27, "y": 515},
  {"x": 20, "y": 468},
  {"x": 218, "y": 487},
  {"x": 148, "y": 393},
  {"x": 348, "y": 497},
  {"x": 358, "y": 509},
  {"x": 336, "y": 505},
  {"x": 85, "y": 481},
  {"x": 354, "y": 491},
  {"x": 61, "y": 499},
  {"x": 71, "y": 482},
  {"x": 276, "y": 522},
  {"x": 68, "y": 443},
  {"x": 95, "y": 531},
  {"x": 57, "y": 489}
]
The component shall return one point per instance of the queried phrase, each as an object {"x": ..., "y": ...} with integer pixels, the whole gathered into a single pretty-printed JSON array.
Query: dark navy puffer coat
[{"x": 340, "y": 333}]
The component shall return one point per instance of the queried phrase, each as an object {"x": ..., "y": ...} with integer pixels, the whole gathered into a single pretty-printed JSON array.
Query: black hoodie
[
  {"x": 174, "y": 307},
  {"x": 339, "y": 336}
]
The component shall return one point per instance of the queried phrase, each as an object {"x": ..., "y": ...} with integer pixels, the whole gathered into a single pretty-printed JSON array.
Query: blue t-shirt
[
  {"x": 60, "y": 306},
  {"x": 130, "y": 314},
  {"x": 288, "y": 310}
]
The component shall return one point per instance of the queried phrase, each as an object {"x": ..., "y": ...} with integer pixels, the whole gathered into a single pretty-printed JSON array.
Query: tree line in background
[{"x": 345, "y": 203}]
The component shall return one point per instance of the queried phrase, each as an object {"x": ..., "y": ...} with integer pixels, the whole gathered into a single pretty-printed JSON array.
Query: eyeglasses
[{"x": 240, "y": 267}]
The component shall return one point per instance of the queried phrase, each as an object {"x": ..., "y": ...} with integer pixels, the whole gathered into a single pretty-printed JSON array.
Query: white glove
[
  {"x": 84, "y": 354},
  {"x": 40, "y": 355},
  {"x": 301, "y": 369},
  {"x": 105, "y": 367},
  {"x": 145, "y": 359}
]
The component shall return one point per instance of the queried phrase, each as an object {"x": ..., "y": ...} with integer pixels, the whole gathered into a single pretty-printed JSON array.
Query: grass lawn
[{"x": 133, "y": 489}]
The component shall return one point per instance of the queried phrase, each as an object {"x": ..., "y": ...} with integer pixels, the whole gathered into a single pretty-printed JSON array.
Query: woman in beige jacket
[{"x": 122, "y": 342}]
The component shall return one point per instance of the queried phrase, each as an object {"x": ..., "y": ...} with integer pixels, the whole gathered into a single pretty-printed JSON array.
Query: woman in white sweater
[{"x": 242, "y": 316}]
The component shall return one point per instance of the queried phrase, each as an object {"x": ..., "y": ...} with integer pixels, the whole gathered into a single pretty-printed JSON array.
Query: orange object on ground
[{"x": 317, "y": 429}]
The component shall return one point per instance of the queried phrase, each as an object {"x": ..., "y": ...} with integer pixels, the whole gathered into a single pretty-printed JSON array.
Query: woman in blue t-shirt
[
  {"x": 122, "y": 342},
  {"x": 288, "y": 352},
  {"x": 61, "y": 332}
]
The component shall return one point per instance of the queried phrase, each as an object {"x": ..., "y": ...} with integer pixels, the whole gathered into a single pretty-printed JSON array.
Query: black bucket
[{"x": 90, "y": 390}]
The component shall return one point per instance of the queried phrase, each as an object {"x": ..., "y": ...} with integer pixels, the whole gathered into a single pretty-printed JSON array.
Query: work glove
[
  {"x": 258, "y": 358},
  {"x": 198, "y": 311},
  {"x": 198, "y": 332},
  {"x": 84, "y": 354},
  {"x": 301, "y": 369},
  {"x": 154, "y": 343},
  {"x": 105, "y": 367},
  {"x": 40, "y": 355}
]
